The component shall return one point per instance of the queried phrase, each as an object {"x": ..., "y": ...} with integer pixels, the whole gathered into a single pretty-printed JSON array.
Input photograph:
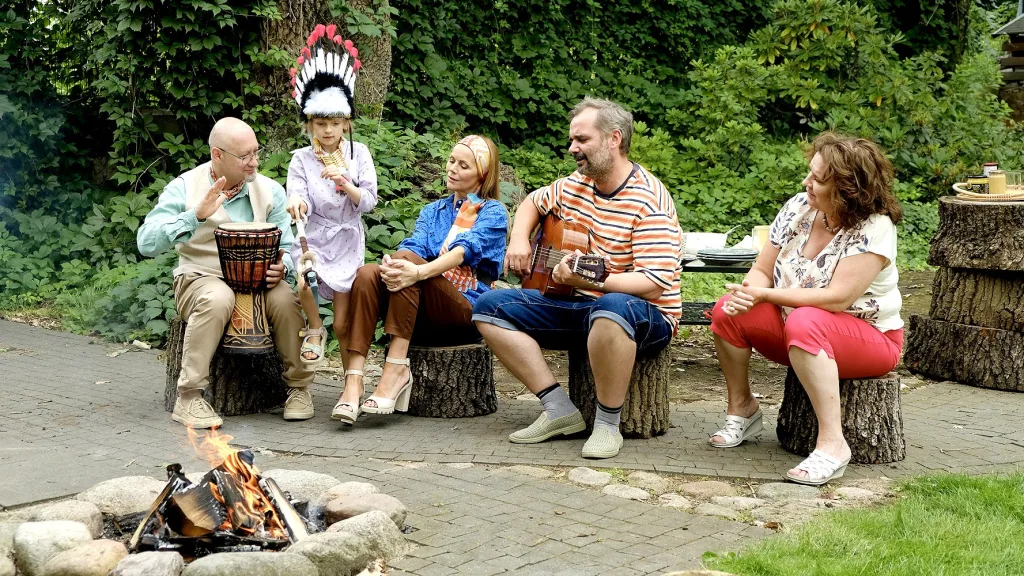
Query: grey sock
[
  {"x": 556, "y": 402},
  {"x": 609, "y": 417}
]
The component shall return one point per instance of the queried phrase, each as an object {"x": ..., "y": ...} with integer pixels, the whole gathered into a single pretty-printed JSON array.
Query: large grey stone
[
  {"x": 533, "y": 471},
  {"x": 74, "y": 510},
  {"x": 588, "y": 477},
  {"x": 341, "y": 490},
  {"x": 96, "y": 558},
  {"x": 123, "y": 496},
  {"x": 151, "y": 564},
  {"x": 7, "y": 530},
  {"x": 301, "y": 484},
  {"x": 7, "y": 566},
  {"x": 786, "y": 491},
  {"x": 789, "y": 512},
  {"x": 853, "y": 493},
  {"x": 648, "y": 480},
  {"x": 334, "y": 553},
  {"x": 37, "y": 542},
  {"x": 707, "y": 489},
  {"x": 709, "y": 509},
  {"x": 342, "y": 508},
  {"x": 675, "y": 501},
  {"x": 740, "y": 503},
  {"x": 251, "y": 564},
  {"x": 384, "y": 539},
  {"x": 627, "y": 492}
]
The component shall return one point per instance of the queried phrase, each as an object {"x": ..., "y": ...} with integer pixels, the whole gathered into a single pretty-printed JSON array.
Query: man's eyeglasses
[{"x": 248, "y": 157}]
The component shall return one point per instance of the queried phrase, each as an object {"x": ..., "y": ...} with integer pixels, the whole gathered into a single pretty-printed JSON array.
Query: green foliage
[
  {"x": 941, "y": 524},
  {"x": 513, "y": 68},
  {"x": 140, "y": 302}
]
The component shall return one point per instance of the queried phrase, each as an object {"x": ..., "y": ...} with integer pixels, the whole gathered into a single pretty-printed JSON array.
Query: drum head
[{"x": 247, "y": 227}]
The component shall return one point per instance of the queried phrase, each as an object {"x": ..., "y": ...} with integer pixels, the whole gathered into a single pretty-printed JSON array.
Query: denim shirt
[{"x": 484, "y": 243}]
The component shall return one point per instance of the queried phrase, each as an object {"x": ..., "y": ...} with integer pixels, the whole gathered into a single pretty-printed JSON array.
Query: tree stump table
[
  {"x": 977, "y": 298},
  {"x": 452, "y": 381},
  {"x": 239, "y": 384},
  {"x": 871, "y": 413},
  {"x": 645, "y": 412}
]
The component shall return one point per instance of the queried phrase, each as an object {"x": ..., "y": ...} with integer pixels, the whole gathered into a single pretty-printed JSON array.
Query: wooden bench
[
  {"x": 452, "y": 381},
  {"x": 645, "y": 412},
  {"x": 239, "y": 384},
  {"x": 871, "y": 412}
]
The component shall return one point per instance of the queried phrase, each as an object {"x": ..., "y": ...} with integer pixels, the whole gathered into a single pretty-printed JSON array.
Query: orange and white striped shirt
[{"x": 635, "y": 228}]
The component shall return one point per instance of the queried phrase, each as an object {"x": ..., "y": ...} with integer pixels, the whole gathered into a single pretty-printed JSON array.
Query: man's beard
[
  {"x": 595, "y": 167},
  {"x": 250, "y": 177}
]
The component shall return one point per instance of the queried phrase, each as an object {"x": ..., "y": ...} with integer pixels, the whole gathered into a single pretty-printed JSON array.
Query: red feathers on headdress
[{"x": 330, "y": 30}]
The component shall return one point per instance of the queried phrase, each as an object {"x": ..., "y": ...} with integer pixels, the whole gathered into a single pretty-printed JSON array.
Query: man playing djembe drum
[{"x": 190, "y": 208}]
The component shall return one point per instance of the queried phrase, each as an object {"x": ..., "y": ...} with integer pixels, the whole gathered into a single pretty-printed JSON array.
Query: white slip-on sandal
[
  {"x": 820, "y": 468},
  {"x": 348, "y": 412},
  {"x": 387, "y": 405},
  {"x": 737, "y": 429}
]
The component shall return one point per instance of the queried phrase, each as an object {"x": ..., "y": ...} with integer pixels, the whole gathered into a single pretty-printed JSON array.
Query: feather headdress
[{"x": 324, "y": 76}]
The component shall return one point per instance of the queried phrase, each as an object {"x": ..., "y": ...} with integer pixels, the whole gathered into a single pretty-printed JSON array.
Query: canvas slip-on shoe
[{"x": 543, "y": 428}]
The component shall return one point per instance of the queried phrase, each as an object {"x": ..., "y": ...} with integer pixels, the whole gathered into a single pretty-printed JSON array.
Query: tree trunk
[
  {"x": 979, "y": 235},
  {"x": 452, "y": 382},
  {"x": 239, "y": 384},
  {"x": 298, "y": 18},
  {"x": 983, "y": 357},
  {"x": 645, "y": 412},
  {"x": 871, "y": 413},
  {"x": 979, "y": 298}
]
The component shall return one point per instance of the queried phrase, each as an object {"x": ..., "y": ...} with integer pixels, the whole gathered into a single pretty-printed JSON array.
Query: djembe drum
[{"x": 246, "y": 251}]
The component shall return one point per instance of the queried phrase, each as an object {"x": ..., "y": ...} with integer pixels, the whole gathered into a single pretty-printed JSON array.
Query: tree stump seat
[
  {"x": 977, "y": 298},
  {"x": 239, "y": 383},
  {"x": 871, "y": 413},
  {"x": 452, "y": 381},
  {"x": 645, "y": 412}
]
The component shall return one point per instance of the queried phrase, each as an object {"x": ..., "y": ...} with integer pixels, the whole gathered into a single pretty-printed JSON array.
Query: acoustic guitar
[{"x": 555, "y": 240}]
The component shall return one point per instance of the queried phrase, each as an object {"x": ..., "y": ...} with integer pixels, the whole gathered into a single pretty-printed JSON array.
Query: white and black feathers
[{"x": 324, "y": 76}]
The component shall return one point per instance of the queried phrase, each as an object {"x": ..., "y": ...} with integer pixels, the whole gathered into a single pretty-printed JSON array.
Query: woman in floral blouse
[{"x": 822, "y": 298}]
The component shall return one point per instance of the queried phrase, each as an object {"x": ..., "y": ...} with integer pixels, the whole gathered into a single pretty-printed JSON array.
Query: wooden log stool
[
  {"x": 239, "y": 383},
  {"x": 977, "y": 298},
  {"x": 871, "y": 413},
  {"x": 452, "y": 381},
  {"x": 645, "y": 412}
]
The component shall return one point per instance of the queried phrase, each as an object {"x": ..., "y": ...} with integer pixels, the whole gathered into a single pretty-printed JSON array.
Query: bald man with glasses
[{"x": 228, "y": 188}]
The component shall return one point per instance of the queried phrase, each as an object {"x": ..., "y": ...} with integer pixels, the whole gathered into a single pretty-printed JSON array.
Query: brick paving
[{"x": 73, "y": 416}]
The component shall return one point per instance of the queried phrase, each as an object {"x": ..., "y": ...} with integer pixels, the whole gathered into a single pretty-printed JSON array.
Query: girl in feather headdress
[{"x": 331, "y": 182}]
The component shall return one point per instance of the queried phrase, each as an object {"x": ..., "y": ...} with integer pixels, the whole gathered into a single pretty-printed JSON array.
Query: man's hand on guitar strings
[{"x": 517, "y": 257}]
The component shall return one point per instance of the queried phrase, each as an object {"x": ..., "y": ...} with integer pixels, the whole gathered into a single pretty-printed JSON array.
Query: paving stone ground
[{"x": 73, "y": 416}]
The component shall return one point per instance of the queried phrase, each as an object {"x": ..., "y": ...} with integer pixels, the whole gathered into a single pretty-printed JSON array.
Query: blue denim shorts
[{"x": 561, "y": 323}]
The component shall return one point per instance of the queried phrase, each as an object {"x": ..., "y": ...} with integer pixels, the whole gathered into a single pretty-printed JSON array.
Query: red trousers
[{"x": 859, "y": 349}]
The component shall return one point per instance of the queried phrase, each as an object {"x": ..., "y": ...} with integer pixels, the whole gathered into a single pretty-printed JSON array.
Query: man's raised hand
[{"x": 213, "y": 199}]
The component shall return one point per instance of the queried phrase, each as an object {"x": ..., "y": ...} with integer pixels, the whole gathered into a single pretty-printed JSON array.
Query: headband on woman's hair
[{"x": 481, "y": 152}]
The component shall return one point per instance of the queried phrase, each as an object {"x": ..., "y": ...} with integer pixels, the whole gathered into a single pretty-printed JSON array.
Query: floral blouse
[{"x": 880, "y": 305}]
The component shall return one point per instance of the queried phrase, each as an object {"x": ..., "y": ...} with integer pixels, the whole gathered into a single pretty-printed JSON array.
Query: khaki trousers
[
  {"x": 205, "y": 304},
  {"x": 431, "y": 311}
]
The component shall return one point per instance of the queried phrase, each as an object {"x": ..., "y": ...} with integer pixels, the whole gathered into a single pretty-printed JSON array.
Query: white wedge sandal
[
  {"x": 348, "y": 412},
  {"x": 387, "y": 405}
]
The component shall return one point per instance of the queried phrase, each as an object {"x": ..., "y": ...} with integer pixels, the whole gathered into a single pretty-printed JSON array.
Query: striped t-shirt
[{"x": 635, "y": 227}]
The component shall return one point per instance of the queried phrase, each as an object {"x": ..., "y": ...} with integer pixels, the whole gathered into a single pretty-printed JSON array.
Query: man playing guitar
[{"x": 631, "y": 222}]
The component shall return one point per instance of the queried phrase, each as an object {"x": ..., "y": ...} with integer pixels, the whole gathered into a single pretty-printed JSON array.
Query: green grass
[{"x": 942, "y": 525}]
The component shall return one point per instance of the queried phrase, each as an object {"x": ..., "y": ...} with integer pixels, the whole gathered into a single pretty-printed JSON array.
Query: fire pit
[
  {"x": 232, "y": 519},
  {"x": 230, "y": 509}
]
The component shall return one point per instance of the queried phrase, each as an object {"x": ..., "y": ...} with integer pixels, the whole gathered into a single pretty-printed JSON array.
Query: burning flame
[{"x": 252, "y": 513}]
